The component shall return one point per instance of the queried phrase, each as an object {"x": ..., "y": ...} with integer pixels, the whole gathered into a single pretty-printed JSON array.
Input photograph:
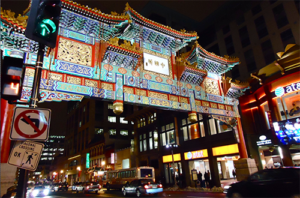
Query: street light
[
  {"x": 78, "y": 168},
  {"x": 173, "y": 146},
  {"x": 61, "y": 171}
]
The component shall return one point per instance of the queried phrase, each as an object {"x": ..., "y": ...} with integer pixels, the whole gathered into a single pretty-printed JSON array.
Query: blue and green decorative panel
[{"x": 119, "y": 87}]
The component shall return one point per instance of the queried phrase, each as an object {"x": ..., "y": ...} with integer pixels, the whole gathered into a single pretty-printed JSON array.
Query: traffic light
[
  {"x": 12, "y": 75},
  {"x": 43, "y": 22}
]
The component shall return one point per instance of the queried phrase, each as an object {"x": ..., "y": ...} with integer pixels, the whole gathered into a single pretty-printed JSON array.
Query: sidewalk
[{"x": 227, "y": 182}]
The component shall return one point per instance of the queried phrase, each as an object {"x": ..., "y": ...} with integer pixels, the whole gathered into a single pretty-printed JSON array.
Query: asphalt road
[{"x": 112, "y": 193}]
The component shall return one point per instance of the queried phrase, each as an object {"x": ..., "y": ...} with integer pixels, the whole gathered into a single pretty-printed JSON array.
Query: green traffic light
[{"x": 44, "y": 27}]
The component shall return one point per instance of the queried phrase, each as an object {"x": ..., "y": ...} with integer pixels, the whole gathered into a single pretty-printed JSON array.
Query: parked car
[
  {"x": 39, "y": 191},
  {"x": 282, "y": 182},
  {"x": 142, "y": 187},
  {"x": 60, "y": 187},
  {"x": 77, "y": 186},
  {"x": 88, "y": 187}
]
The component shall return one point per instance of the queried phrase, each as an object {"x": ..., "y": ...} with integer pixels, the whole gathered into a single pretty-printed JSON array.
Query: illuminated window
[
  {"x": 99, "y": 131},
  {"x": 212, "y": 126},
  {"x": 110, "y": 106},
  {"x": 223, "y": 127},
  {"x": 112, "y": 119},
  {"x": 155, "y": 136},
  {"x": 170, "y": 137},
  {"x": 80, "y": 124},
  {"x": 124, "y": 132},
  {"x": 112, "y": 132},
  {"x": 193, "y": 130},
  {"x": 44, "y": 158},
  {"x": 150, "y": 143},
  {"x": 145, "y": 145},
  {"x": 123, "y": 121},
  {"x": 141, "y": 145},
  {"x": 163, "y": 139}
]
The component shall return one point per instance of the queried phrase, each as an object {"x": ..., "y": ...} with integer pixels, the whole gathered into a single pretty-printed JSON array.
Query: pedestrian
[
  {"x": 199, "y": 178},
  {"x": 233, "y": 173},
  {"x": 206, "y": 178}
]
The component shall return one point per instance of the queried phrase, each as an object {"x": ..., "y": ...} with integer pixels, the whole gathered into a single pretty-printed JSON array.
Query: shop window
[
  {"x": 123, "y": 121},
  {"x": 291, "y": 105},
  {"x": 212, "y": 126},
  {"x": 112, "y": 119},
  {"x": 124, "y": 132}
]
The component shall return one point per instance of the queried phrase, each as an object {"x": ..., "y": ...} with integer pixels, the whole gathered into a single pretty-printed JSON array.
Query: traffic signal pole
[{"x": 23, "y": 177}]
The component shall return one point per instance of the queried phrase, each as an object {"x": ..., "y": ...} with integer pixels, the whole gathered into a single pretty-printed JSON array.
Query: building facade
[
  {"x": 128, "y": 60},
  {"x": 94, "y": 133},
  {"x": 253, "y": 31},
  {"x": 270, "y": 111}
]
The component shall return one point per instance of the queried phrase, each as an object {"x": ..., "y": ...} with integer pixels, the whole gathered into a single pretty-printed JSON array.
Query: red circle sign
[{"x": 23, "y": 115}]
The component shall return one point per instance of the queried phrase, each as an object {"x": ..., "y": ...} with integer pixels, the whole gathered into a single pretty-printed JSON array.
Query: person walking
[
  {"x": 206, "y": 178},
  {"x": 200, "y": 178},
  {"x": 233, "y": 173}
]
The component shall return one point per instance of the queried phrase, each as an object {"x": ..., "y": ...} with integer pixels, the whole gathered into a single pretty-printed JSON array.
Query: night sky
[{"x": 196, "y": 10}]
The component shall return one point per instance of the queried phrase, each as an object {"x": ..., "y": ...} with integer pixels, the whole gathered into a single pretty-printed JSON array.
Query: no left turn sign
[{"x": 30, "y": 124}]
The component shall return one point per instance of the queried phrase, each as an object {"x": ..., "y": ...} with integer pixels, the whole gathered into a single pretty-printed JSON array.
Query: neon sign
[
  {"x": 280, "y": 91},
  {"x": 87, "y": 161},
  {"x": 195, "y": 154}
]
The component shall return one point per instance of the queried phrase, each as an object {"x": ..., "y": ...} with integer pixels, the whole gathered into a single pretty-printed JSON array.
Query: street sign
[
  {"x": 26, "y": 155},
  {"x": 30, "y": 124}
]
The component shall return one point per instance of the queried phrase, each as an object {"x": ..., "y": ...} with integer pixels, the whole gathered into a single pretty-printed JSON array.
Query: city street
[{"x": 113, "y": 193}]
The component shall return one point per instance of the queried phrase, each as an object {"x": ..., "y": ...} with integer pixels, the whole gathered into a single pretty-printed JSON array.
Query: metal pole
[
  {"x": 174, "y": 167},
  {"x": 23, "y": 178}
]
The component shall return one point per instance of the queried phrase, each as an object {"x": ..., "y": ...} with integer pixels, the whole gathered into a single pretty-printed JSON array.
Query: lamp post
[{"x": 172, "y": 146}]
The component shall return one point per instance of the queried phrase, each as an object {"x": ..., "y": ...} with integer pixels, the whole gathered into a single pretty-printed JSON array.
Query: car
[
  {"x": 77, "y": 186},
  {"x": 39, "y": 191},
  {"x": 60, "y": 187},
  {"x": 281, "y": 182},
  {"x": 142, "y": 187},
  {"x": 88, "y": 187}
]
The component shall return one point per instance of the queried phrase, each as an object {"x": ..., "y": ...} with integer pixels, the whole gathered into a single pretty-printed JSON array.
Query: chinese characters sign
[{"x": 156, "y": 64}]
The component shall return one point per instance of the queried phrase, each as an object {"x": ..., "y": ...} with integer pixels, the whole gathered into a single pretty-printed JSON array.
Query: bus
[{"x": 116, "y": 179}]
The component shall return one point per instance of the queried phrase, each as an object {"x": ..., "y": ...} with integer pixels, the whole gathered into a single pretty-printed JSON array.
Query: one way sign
[
  {"x": 30, "y": 124},
  {"x": 26, "y": 155}
]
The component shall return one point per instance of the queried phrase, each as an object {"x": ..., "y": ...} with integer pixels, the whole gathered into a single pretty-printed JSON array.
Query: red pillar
[
  {"x": 7, "y": 111},
  {"x": 242, "y": 144}
]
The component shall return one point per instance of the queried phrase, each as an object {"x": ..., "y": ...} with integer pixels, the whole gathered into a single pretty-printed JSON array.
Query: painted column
[
  {"x": 118, "y": 103},
  {"x": 241, "y": 144},
  {"x": 7, "y": 111},
  {"x": 8, "y": 172},
  {"x": 193, "y": 114}
]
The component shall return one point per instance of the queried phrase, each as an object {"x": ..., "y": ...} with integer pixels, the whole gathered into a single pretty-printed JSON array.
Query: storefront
[
  {"x": 171, "y": 167},
  {"x": 271, "y": 111}
]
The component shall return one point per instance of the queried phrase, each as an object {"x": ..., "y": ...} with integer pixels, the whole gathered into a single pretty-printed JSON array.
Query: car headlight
[
  {"x": 227, "y": 187},
  {"x": 46, "y": 192},
  {"x": 35, "y": 192}
]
